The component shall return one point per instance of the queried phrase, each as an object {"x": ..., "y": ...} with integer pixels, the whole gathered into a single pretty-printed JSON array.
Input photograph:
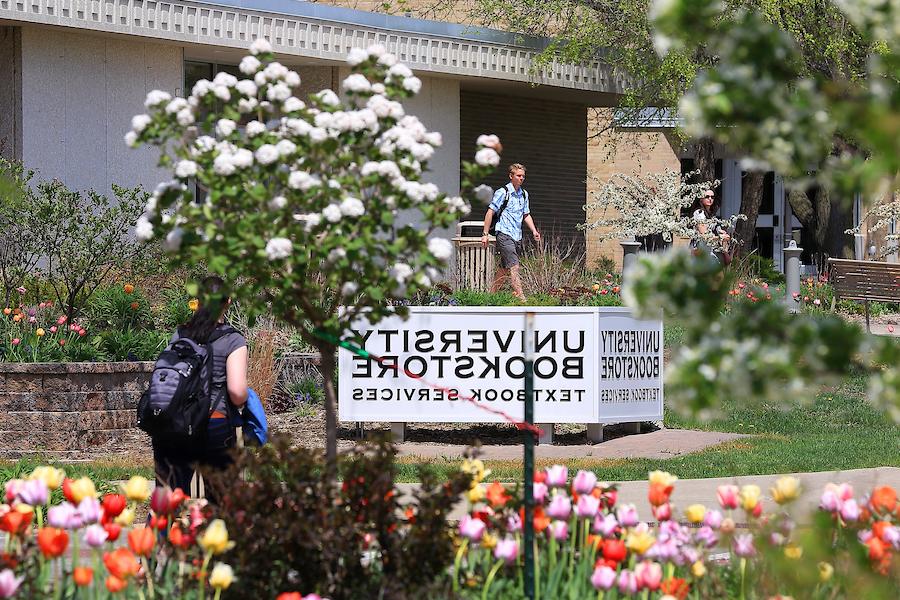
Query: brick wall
[
  {"x": 632, "y": 153},
  {"x": 545, "y": 136}
]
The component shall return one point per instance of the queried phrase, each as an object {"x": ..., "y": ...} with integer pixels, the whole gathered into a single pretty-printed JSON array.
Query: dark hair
[
  {"x": 206, "y": 318},
  {"x": 698, "y": 205}
]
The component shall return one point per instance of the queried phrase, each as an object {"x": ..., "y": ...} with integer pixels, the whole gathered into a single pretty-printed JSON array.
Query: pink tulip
[
  {"x": 64, "y": 516},
  {"x": 32, "y": 319},
  {"x": 584, "y": 482},
  {"x": 12, "y": 488},
  {"x": 507, "y": 550},
  {"x": 587, "y": 506},
  {"x": 42, "y": 305},
  {"x": 850, "y": 510},
  {"x": 663, "y": 512},
  {"x": 95, "y": 536},
  {"x": 713, "y": 518},
  {"x": 743, "y": 545},
  {"x": 557, "y": 475},
  {"x": 627, "y": 515},
  {"x": 605, "y": 525},
  {"x": 830, "y": 501},
  {"x": 560, "y": 507},
  {"x": 627, "y": 582},
  {"x": 559, "y": 530},
  {"x": 514, "y": 523},
  {"x": 73, "y": 327},
  {"x": 89, "y": 509},
  {"x": 728, "y": 496},
  {"x": 539, "y": 492},
  {"x": 9, "y": 583},
  {"x": 61, "y": 320},
  {"x": 892, "y": 536},
  {"x": 53, "y": 329},
  {"x": 649, "y": 575},
  {"x": 34, "y": 492},
  {"x": 81, "y": 332},
  {"x": 16, "y": 341},
  {"x": 21, "y": 290},
  {"x": 603, "y": 578},
  {"x": 472, "y": 529}
]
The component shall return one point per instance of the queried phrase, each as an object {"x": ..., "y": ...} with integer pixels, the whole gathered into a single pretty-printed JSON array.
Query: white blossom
[
  {"x": 400, "y": 70},
  {"x": 286, "y": 147},
  {"x": 150, "y": 207},
  {"x": 225, "y": 127},
  {"x": 278, "y": 92},
  {"x": 412, "y": 84},
  {"x": 434, "y": 138},
  {"x": 484, "y": 193},
  {"x": 173, "y": 240},
  {"x": 298, "y": 126},
  {"x": 441, "y": 249},
  {"x": 140, "y": 122},
  {"x": 400, "y": 272},
  {"x": 293, "y": 104},
  {"x": 378, "y": 88},
  {"x": 336, "y": 254},
  {"x": 328, "y": 98},
  {"x": 185, "y": 117},
  {"x": 387, "y": 59},
  {"x": 349, "y": 288},
  {"x": 422, "y": 152},
  {"x": 222, "y": 92},
  {"x": 260, "y": 46},
  {"x": 204, "y": 143},
  {"x": 249, "y": 65},
  {"x": 318, "y": 135},
  {"x": 201, "y": 88},
  {"x": 246, "y": 87},
  {"x": 357, "y": 82},
  {"x": 457, "y": 204},
  {"x": 226, "y": 79},
  {"x": 352, "y": 207},
  {"x": 131, "y": 139},
  {"x": 242, "y": 158},
  {"x": 332, "y": 213},
  {"x": 254, "y": 128},
  {"x": 275, "y": 71},
  {"x": 311, "y": 220},
  {"x": 487, "y": 141},
  {"x": 223, "y": 165},
  {"x": 185, "y": 169},
  {"x": 260, "y": 78},
  {"x": 356, "y": 56},
  {"x": 292, "y": 78},
  {"x": 266, "y": 154},
  {"x": 278, "y": 248},
  {"x": 487, "y": 157},
  {"x": 247, "y": 105},
  {"x": 143, "y": 230},
  {"x": 277, "y": 203},
  {"x": 176, "y": 105},
  {"x": 156, "y": 97},
  {"x": 301, "y": 180}
]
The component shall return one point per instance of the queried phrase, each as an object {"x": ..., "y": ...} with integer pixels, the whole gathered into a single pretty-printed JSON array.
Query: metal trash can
[{"x": 474, "y": 263}]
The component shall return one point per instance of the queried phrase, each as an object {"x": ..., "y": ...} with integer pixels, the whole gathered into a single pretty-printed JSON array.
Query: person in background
[
  {"x": 511, "y": 203},
  {"x": 706, "y": 211}
]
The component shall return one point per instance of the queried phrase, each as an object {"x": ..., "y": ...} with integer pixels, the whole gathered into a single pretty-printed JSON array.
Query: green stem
[
  {"x": 490, "y": 579},
  {"x": 218, "y": 593},
  {"x": 149, "y": 574},
  {"x": 456, "y": 563},
  {"x": 201, "y": 581},
  {"x": 537, "y": 571},
  {"x": 743, "y": 578}
]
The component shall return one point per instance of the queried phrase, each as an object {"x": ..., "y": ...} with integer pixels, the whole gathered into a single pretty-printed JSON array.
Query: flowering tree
[
  {"x": 632, "y": 206},
  {"x": 301, "y": 198}
]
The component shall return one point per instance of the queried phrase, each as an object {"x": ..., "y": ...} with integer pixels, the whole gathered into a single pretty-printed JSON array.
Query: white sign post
[{"x": 592, "y": 365}]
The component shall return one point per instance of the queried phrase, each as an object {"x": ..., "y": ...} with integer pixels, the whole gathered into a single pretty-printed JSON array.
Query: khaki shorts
[{"x": 508, "y": 249}]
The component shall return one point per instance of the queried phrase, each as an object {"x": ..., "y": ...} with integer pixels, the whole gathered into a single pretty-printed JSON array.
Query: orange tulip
[
  {"x": 15, "y": 522},
  {"x": 6, "y": 311},
  {"x": 115, "y": 585},
  {"x": 496, "y": 494},
  {"x": 883, "y": 500},
  {"x": 289, "y": 596},
  {"x": 83, "y": 576},
  {"x": 179, "y": 538},
  {"x": 675, "y": 586},
  {"x": 141, "y": 540},
  {"x": 52, "y": 541},
  {"x": 659, "y": 493},
  {"x": 877, "y": 548},
  {"x": 128, "y": 288},
  {"x": 135, "y": 306},
  {"x": 121, "y": 563}
]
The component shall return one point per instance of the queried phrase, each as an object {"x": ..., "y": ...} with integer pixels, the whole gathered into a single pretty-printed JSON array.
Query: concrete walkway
[
  {"x": 703, "y": 491},
  {"x": 663, "y": 443}
]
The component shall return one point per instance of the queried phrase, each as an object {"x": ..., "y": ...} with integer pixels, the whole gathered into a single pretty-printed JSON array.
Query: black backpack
[
  {"x": 176, "y": 406},
  {"x": 496, "y": 218}
]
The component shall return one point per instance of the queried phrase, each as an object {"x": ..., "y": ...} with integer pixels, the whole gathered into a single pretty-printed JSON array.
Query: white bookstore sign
[{"x": 592, "y": 365}]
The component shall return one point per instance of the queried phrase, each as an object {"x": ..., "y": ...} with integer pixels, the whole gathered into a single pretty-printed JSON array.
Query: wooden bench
[{"x": 865, "y": 280}]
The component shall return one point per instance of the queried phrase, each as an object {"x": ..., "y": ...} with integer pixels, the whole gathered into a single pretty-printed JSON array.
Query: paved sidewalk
[
  {"x": 663, "y": 443},
  {"x": 703, "y": 491}
]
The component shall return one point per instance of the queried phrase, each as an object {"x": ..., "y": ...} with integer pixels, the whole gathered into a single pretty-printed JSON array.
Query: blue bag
[{"x": 255, "y": 426}]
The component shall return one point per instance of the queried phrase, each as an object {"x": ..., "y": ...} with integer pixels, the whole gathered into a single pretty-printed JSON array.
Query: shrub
[
  {"x": 119, "y": 307},
  {"x": 132, "y": 344},
  {"x": 552, "y": 264},
  {"x": 347, "y": 541},
  {"x": 476, "y": 298}
]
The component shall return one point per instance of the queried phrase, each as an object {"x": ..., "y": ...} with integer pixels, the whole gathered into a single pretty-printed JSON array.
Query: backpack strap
[{"x": 505, "y": 202}]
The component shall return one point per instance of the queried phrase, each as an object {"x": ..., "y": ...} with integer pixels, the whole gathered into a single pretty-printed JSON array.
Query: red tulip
[
  {"x": 159, "y": 500},
  {"x": 176, "y": 498},
  {"x": 67, "y": 488},
  {"x": 114, "y": 584},
  {"x": 112, "y": 530},
  {"x": 121, "y": 563},
  {"x": 52, "y": 541},
  {"x": 15, "y": 522},
  {"x": 141, "y": 540},
  {"x": 113, "y": 505},
  {"x": 83, "y": 576},
  {"x": 614, "y": 550}
]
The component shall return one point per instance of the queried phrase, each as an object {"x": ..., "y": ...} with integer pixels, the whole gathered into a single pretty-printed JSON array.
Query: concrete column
[
  {"x": 547, "y": 437},
  {"x": 398, "y": 432},
  {"x": 595, "y": 433},
  {"x": 858, "y": 247},
  {"x": 629, "y": 254},
  {"x": 792, "y": 275}
]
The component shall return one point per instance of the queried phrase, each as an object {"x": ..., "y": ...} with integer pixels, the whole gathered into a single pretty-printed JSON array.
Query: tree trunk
[
  {"x": 839, "y": 244},
  {"x": 751, "y": 198},
  {"x": 705, "y": 160},
  {"x": 327, "y": 366}
]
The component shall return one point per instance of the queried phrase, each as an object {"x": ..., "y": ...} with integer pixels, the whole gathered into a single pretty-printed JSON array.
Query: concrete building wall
[
  {"x": 633, "y": 153},
  {"x": 79, "y": 94},
  {"x": 10, "y": 92}
]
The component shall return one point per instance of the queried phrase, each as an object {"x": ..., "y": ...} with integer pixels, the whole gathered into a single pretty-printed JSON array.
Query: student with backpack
[
  {"x": 197, "y": 388},
  {"x": 504, "y": 218}
]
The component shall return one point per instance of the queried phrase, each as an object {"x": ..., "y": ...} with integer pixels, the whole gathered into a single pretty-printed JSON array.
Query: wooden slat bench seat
[{"x": 865, "y": 280}]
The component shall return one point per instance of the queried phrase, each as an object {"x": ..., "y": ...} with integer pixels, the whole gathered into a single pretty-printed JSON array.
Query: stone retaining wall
[{"x": 60, "y": 409}]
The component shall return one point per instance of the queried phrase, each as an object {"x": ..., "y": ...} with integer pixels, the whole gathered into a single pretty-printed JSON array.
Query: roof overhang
[{"x": 325, "y": 34}]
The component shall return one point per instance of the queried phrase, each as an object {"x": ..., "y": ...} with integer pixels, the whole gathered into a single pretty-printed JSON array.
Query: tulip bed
[{"x": 587, "y": 545}]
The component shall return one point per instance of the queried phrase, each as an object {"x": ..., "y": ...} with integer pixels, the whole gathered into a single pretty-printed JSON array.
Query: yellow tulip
[
  {"x": 193, "y": 304},
  {"x": 475, "y": 468},
  {"x": 221, "y": 577},
  {"x": 825, "y": 571},
  {"x": 695, "y": 513},
  {"x": 786, "y": 489},
  {"x": 215, "y": 538},
  {"x": 476, "y": 494},
  {"x": 126, "y": 517},
  {"x": 698, "y": 569},
  {"x": 750, "y": 495},
  {"x": 137, "y": 489},
  {"x": 663, "y": 478},
  {"x": 82, "y": 488},
  {"x": 51, "y": 476},
  {"x": 793, "y": 551},
  {"x": 488, "y": 540},
  {"x": 40, "y": 332},
  {"x": 23, "y": 508},
  {"x": 639, "y": 540}
]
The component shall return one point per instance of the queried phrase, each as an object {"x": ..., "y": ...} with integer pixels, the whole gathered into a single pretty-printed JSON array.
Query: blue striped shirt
[{"x": 515, "y": 212}]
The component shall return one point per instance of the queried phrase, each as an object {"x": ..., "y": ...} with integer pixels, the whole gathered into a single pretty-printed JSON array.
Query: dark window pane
[
  {"x": 194, "y": 72},
  {"x": 763, "y": 241}
]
